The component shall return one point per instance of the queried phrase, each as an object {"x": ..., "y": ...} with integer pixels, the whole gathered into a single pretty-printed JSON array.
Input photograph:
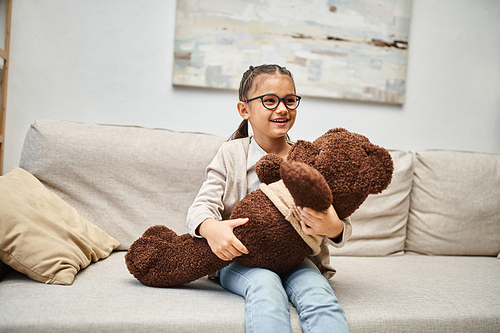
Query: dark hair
[{"x": 247, "y": 82}]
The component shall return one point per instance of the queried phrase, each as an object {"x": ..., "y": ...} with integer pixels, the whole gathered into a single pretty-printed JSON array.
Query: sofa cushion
[
  {"x": 455, "y": 204},
  {"x": 41, "y": 235},
  {"x": 106, "y": 298},
  {"x": 419, "y": 293},
  {"x": 379, "y": 225},
  {"x": 410, "y": 293},
  {"x": 122, "y": 178}
]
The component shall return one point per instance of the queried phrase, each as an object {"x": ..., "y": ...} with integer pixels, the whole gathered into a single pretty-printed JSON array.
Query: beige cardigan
[{"x": 226, "y": 184}]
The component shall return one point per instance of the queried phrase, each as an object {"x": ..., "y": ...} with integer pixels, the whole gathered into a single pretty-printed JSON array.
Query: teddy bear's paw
[
  {"x": 141, "y": 258},
  {"x": 157, "y": 263},
  {"x": 306, "y": 185}
]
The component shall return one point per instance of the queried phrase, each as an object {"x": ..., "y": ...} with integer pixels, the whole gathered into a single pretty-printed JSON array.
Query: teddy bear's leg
[
  {"x": 164, "y": 263},
  {"x": 306, "y": 185}
]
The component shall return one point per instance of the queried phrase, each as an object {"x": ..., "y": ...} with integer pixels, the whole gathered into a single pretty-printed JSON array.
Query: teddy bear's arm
[{"x": 306, "y": 185}]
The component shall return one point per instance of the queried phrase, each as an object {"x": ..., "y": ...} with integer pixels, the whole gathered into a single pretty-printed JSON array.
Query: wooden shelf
[{"x": 4, "y": 54}]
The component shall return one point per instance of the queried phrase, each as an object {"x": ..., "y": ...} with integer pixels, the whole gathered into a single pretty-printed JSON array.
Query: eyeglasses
[{"x": 271, "y": 101}]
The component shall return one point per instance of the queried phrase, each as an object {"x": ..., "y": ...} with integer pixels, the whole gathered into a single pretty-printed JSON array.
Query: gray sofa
[{"x": 423, "y": 256}]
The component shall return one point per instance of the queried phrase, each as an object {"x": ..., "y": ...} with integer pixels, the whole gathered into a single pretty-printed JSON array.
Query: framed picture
[{"x": 355, "y": 50}]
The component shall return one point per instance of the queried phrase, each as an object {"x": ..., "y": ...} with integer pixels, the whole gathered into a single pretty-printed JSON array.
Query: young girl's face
[{"x": 269, "y": 124}]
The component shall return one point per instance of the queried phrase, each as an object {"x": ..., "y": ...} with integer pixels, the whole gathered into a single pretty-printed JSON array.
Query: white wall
[{"x": 110, "y": 61}]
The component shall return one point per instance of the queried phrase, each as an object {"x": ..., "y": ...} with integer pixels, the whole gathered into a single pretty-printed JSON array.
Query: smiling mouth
[{"x": 279, "y": 121}]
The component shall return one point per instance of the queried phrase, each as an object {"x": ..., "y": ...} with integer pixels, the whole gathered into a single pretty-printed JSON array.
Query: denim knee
[
  {"x": 266, "y": 302},
  {"x": 262, "y": 283}
]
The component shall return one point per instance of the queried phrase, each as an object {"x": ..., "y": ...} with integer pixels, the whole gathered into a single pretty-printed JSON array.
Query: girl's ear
[{"x": 242, "y": 110}]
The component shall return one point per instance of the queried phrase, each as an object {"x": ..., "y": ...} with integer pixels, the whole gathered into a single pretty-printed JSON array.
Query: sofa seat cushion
[
  {"x": 410, "y": 293},
  {"x": 418, "y": 293},
  {"x": 105, "y": 297}
]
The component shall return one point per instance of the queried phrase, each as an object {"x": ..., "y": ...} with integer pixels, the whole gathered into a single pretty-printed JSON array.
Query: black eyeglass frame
[{"x": 279, "y": 101}]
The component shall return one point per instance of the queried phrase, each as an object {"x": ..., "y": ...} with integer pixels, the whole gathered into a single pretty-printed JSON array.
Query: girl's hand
[
  {"x": 321, "y": 223},
  {"x": 221, "y": 239}
]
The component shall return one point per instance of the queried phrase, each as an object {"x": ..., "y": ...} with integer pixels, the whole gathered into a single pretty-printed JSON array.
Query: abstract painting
[{"x": 343, "y": 49}]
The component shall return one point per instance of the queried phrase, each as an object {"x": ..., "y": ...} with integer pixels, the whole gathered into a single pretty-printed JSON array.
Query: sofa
[{"x": 423, "y": 256}]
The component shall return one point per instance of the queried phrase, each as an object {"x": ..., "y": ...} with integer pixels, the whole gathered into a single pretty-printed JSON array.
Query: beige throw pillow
[{"x": 41, "y": 235}]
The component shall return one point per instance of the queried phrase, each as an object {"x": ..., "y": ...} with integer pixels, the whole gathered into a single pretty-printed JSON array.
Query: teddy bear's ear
[
  {"x": 268, "y": 168},
  {"x": 336, "y": 130},
  {"x": 376, "y": 170},
  {"x": 303, "y": 151}
]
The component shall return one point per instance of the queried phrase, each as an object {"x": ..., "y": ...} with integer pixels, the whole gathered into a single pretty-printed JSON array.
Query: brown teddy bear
[{"x": 339, "y": 168}]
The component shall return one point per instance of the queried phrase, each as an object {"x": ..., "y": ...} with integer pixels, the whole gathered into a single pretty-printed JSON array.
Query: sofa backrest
[
  {"x": 440, "y": 202},
  {"x": 123, "y": 179},
  {"x": 455, "y": 203}
]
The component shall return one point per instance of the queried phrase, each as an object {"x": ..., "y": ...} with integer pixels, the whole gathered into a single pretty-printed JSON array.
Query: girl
[{"x": 269, "y": 103}]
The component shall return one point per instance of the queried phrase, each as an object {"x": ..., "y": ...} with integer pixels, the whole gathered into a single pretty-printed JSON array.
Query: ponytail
[{"x": 241, "y": 132}]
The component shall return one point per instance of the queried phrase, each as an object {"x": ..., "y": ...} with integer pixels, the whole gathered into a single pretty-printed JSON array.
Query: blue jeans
[{"x": 267, "y": 293}]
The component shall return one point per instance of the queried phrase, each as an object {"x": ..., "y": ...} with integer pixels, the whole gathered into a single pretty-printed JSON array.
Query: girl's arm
[
  {"x": 209, "y": 200},
  {"x": 205, "y": 216}
]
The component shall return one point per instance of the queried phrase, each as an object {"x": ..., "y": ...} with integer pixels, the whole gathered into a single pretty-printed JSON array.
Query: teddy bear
[{"x": 340, "y": 168}]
